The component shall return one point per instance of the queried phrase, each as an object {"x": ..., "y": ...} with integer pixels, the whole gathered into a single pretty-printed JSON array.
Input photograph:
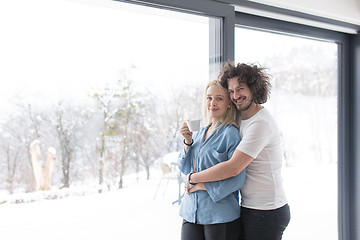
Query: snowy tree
[
  {"x": 11, "y": 153},
  {"x": 69, "y": 121},
  {"x": 24, "y": 126},
  {"x": 185, "y": 103},
  {"x": 117, "y": 104},
  {"x": 145, "y": 141},
  {"x": 104, "y": 100}
]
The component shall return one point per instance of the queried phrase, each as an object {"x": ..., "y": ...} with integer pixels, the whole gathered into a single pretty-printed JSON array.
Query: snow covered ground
[{"x": 134, "y": 213}]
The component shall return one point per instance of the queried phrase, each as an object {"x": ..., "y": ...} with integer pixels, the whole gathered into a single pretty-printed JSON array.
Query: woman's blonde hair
[{"x": 230, "y": 112}]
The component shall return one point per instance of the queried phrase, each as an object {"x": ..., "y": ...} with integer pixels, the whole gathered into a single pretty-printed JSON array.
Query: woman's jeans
[
  {"x": 264, "y": 224},
  {"x": 220, "y": 231}
]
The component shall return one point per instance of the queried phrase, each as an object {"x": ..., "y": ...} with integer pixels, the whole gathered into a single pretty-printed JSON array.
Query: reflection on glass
[{"x": 304, "y": 102}]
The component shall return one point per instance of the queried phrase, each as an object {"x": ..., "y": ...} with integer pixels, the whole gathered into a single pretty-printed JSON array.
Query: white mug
[{"x": 193, "y": 125}]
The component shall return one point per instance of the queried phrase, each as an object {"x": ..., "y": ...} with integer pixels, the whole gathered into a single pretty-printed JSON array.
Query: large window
[
  {"x": 304, "y": 103},
  {"x": 105, "y": 87}
]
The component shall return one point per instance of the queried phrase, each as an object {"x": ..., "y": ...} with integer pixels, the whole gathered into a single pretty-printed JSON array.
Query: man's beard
[{"x": 241, "y": 109}]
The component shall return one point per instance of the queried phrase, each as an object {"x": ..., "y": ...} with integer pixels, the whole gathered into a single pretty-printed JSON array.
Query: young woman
[{"x": 213, "y": 210}]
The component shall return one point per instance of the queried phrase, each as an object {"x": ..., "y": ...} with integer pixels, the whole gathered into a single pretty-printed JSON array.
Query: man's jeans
[{"x": 264, "y": 224}]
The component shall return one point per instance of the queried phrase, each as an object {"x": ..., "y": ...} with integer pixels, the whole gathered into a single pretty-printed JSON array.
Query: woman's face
[{"x": 217, "y": 102}]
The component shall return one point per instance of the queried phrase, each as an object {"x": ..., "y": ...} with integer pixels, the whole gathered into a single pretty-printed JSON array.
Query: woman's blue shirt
[{"x": 220, "y": 202}]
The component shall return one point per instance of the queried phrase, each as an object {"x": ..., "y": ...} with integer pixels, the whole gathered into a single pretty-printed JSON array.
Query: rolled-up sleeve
[
  {"x": 184, "y": 161},
  {"x": 220, "y": 189}
]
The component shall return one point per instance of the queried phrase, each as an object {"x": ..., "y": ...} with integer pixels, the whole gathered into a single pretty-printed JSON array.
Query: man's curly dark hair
[{"x": 255, "y": 77}]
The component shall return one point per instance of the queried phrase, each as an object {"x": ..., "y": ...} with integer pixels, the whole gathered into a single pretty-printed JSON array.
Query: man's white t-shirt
[{"x": 261, "y": 139}]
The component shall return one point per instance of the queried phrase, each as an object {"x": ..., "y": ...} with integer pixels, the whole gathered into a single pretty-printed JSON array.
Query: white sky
[
  {"x": 52, "y": 48},
  {"x": 268, "y": 44}
]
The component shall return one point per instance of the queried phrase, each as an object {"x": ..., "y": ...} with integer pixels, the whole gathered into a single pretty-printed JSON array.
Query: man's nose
[{"x": 236, "y": 95}]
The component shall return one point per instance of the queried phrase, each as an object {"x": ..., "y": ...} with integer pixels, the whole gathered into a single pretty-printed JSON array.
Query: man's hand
[
  {"x": 190, "y": 188},
  {"x": 187, "y": 185},
  {"x": 196, "y": 187}
]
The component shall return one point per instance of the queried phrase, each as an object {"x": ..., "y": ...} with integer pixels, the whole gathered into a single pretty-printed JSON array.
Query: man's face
[{"x": 240, "y": 94}]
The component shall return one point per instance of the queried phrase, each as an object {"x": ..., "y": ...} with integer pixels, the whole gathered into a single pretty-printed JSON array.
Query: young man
[{"x": 264, "y": 210}]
